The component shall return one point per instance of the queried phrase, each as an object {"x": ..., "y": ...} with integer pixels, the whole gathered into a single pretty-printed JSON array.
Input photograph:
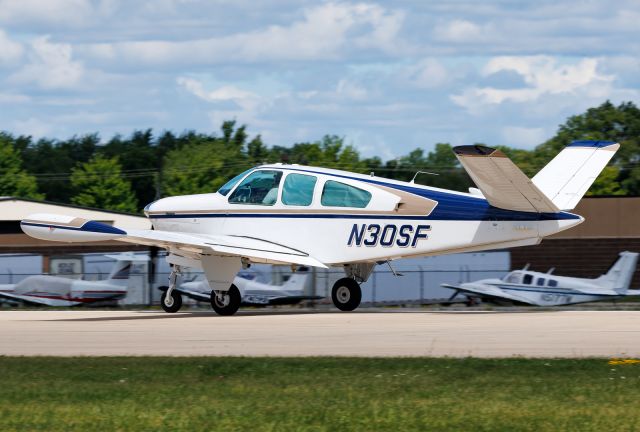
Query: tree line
[{"x": 126, "y": 173}]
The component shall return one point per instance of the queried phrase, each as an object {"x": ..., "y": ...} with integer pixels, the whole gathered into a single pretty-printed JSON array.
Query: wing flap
[
  {"x": 258, "y": 250},
  {"x": 502, "y": 183}
]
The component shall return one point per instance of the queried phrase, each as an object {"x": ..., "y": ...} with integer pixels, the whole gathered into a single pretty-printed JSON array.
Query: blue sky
[{"x": 388, "y": 76}]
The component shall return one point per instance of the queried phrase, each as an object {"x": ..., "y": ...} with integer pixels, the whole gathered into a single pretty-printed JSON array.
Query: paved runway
[{"x": 363, "y": 333}]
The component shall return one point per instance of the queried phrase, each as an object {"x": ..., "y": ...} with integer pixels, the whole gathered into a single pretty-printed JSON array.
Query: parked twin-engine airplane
[
  {"x": 547, "y": 289},
  {"x": 291, "y": 214},
  {"x": 61, "y": 291},
  {"x": 252, "y": 291}
]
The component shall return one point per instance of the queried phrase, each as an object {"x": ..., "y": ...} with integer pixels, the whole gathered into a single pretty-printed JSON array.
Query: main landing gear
[
  {"x": 346, "y": 293},
  {"x": 226, "y": 302},
  {"x": 171, "y": 300}
]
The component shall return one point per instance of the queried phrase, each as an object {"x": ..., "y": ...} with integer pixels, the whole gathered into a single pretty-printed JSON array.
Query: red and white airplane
[
  {"x": 309, "y": 216},
  {"x": 60, "y": 291}
]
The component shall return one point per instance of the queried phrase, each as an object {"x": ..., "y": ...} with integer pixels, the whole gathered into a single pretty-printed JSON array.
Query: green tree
[
  {"x": 203, "y": 163},
  {"x": 98, "y": 183},
  {"x": 14, "y": 180},
  {"x": 605, "y": 122}
]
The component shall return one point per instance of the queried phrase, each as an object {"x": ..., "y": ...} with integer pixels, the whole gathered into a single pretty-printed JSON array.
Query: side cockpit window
[
  {"x": 259, "y": 188},
  {"x": 527, "y": 279},
  {"x": 513, "y": 278},
  {"x": 297, "y": 189},
  {"x": 336, "y": 194}
]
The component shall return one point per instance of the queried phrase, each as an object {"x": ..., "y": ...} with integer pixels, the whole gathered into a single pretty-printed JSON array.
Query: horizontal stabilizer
[
  {"x": 571, "y": 173},
  {"x": 502, "y": 183}
]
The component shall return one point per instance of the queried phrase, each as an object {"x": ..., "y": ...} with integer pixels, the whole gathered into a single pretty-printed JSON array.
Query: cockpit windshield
[
  {"x": 226, "y": 188},
  {"x": 513, "y": 277}
]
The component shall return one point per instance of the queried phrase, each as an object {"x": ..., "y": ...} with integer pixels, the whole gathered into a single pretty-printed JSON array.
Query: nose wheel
[
  {"x": 171, "y": 300},
  {"x": 171, "y": 303},
  {"x": 346, "y": 294},
  {"x": 226, "y": 302}
]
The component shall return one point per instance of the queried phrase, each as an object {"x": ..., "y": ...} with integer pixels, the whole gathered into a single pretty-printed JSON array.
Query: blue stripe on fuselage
[
  {"x": 450, "y": 207},
  {"x": 457, "y": 207},
  {"x": 543, "y": 290}
]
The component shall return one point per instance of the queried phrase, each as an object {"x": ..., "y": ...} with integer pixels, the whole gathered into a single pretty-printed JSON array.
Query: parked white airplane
[
  {"x": 60, "y": 291},
  {"x": 291, "y": 214},
  {"x": 547, "y": 289},
  {"x": 252, "y": 291}
]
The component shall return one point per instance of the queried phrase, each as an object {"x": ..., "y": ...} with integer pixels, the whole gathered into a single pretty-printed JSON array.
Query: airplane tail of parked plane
[
  {"x": 571, "y": 173},
  {"x": 121, "y": 269},
  {"x": 297, "y": 280},
  {"x": 619, "y": 276}
]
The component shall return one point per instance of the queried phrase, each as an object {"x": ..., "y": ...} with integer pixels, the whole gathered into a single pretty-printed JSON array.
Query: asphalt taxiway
[{"x": 294, "y": 333}]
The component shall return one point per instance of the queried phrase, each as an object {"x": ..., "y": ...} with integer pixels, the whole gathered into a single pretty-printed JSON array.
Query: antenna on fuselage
[
  {"x": 413, "y": 180},
  {"x": 526, "y": 267},
  {"x": 551, "y": 270}
]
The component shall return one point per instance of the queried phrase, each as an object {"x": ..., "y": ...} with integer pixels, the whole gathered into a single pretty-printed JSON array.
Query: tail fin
[
  {"x": 619, "y": 275},
  {"x": 122, "y": 268},
  {"x": 571, "y": 173},
  {"x": 298, "y": 280}
]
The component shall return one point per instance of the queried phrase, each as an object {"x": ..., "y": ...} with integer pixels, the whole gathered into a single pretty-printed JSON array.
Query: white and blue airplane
[
  {"x": 526, "y": 287},
  {"x": 308, "y": 216}
]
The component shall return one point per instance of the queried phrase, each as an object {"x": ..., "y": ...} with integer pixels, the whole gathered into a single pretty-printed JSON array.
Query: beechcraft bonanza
[
  {"x": 61, "y": 291},
  {"x": 253, "y": 292},
  {"x": 526, "y": 287},
  {"x": 299, "y": 215}
]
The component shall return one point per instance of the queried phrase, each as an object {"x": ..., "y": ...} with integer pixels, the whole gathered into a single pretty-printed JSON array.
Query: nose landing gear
[{"x": 171, "y": 300}]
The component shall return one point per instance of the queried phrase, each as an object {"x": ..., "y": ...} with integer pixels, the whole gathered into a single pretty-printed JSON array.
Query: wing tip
[{"x": 477, "y": 150}]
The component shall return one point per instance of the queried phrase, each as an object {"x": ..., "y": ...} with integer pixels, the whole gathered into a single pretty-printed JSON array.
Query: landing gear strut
[
  {"x": 226, "y": 302},
  {"x": 171, "y": 300},
  {"x": 346, "y": 294}
]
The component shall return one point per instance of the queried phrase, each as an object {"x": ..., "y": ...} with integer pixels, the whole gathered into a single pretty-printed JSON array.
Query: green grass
[{"x": 318, "y": 394}]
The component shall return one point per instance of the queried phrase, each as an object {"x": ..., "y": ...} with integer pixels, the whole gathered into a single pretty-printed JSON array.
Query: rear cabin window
[
  {"x": 259, "y": 188},
  {"x": 297, "y": 189},
  {"x": 552, "y": 283},
  {"x": 540, "y": 282},
  {"x": 336, "y": 194},
  {"x": 527, "y": 279}
]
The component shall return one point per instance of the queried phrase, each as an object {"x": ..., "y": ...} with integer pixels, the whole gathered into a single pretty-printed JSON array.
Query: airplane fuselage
[{"x": 400, "y": 220}]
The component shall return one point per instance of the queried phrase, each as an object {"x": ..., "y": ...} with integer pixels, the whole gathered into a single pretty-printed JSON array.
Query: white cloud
[
  {"x": 50, "y": 66},
  {"x": 10, "y": 51},
  {"x": 245, "y": 99},
  {"x": 57, "y": 12},
  {"x": 543, "y": 76},
  {"x": 325, "y": 32},
  {"x": 523, "y": 137},
  {"x": 351, "y": 90},
  {"x": 428, "y": 73},
  {"x": 462, "y": 31},
  {"x": 13, "y": 98}
]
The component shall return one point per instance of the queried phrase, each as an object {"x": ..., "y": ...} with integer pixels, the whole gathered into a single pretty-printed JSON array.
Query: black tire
[
  {"x": 230, "y": 303},
  {"x": 346, "y": 294},
  {"x": 175, "y": 305}
]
